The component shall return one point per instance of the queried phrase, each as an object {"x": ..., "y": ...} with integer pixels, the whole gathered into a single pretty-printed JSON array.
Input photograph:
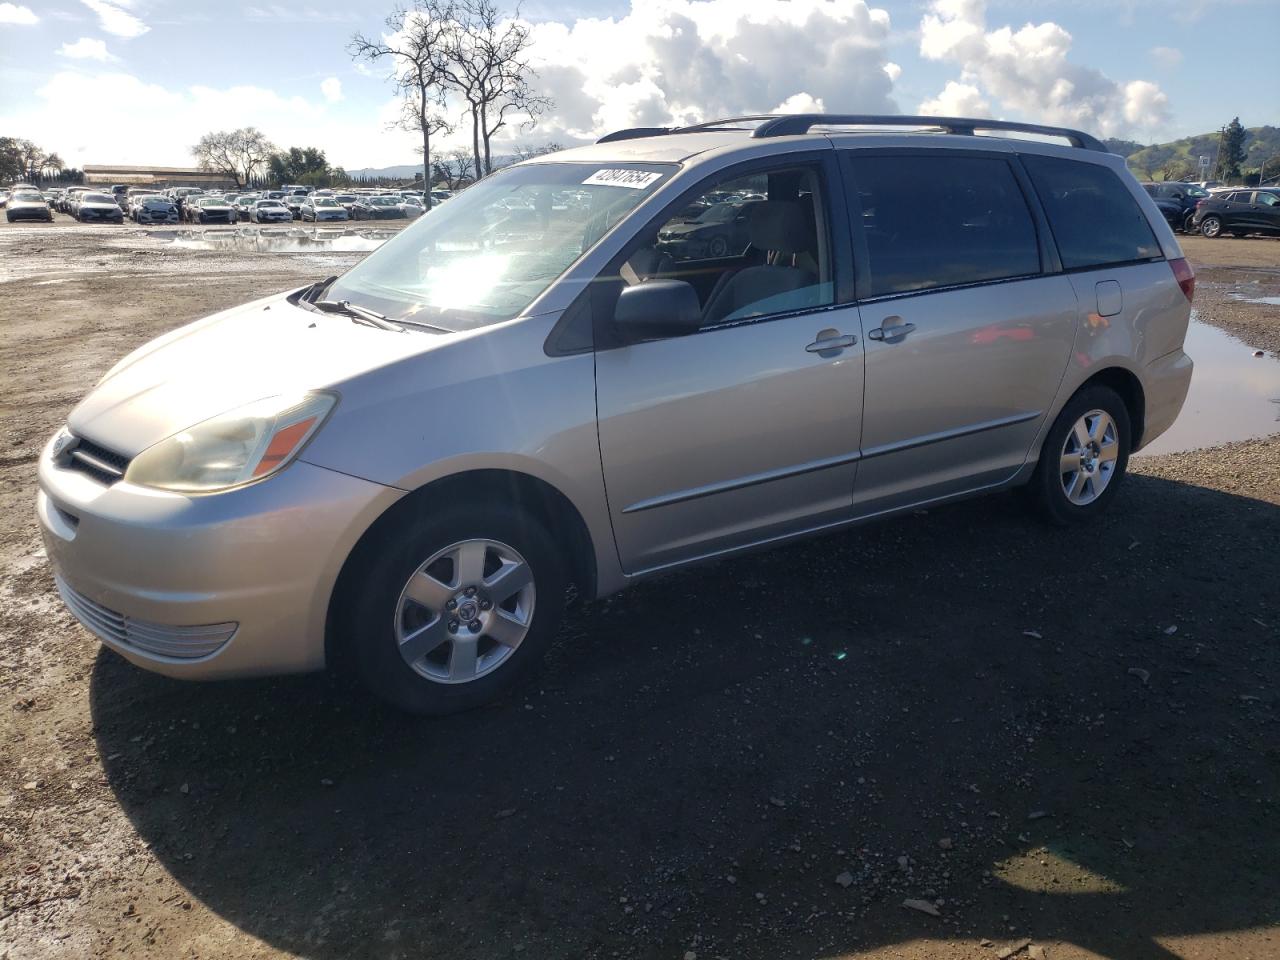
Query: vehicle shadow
[{"x": 733, "y": 760}]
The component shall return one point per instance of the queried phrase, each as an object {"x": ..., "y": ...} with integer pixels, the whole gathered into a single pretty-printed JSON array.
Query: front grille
[
  {"x": 85, "y": 456},
  {"x": 157, "y": 639}
]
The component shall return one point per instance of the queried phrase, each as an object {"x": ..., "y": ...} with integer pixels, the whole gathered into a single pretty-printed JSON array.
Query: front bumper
[
  {"x": 20, "y": 214},
  {"x": 231, "y": 584}
]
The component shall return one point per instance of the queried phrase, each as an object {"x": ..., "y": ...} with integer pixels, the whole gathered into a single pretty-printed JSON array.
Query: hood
[{"x": 263, "y": 349}]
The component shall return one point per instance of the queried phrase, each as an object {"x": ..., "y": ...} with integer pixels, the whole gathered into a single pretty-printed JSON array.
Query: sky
[{"x": 139, "y": 81}]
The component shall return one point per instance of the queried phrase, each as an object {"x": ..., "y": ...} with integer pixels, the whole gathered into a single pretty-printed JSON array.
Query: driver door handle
[{"x": 831, "y": 340}]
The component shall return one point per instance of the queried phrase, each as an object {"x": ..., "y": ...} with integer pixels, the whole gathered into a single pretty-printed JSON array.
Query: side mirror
[{"x": 656, "y": 309}]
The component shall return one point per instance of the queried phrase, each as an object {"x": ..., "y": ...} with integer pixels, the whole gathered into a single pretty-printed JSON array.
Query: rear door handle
[
  {"x": 892, "y": 332},
  {"x": 831, "y": 340}
]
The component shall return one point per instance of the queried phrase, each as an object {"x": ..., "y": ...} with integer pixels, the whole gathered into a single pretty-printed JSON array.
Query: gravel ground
[
  {"x": 1229, "y": 273},
  {"x": 940, "y": 737}
]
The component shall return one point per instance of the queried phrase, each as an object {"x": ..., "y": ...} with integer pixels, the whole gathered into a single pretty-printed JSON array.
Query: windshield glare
[{"x": 494, "y": 248}]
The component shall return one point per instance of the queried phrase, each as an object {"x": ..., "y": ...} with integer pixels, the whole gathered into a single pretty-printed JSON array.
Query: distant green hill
[{"x": 1177, "y": 159}]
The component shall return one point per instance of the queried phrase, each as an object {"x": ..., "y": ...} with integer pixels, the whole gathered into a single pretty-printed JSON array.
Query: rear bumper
[
  {"x": 234, "y": 584},
  {"x": 1165, "y": 382}
]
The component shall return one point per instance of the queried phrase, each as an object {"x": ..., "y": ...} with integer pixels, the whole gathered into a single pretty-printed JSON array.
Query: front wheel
[
  {"x": 1211, "y": 227},
  {"x": 452, "y": 609},
  {"x": 1084, "y": 457}
]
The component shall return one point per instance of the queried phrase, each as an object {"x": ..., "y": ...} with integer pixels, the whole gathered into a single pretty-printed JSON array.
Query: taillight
[{"x": 1185, "y": 276}]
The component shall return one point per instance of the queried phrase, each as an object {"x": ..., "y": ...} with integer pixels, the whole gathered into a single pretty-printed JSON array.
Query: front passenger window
[{"x": 750, "y": 246}]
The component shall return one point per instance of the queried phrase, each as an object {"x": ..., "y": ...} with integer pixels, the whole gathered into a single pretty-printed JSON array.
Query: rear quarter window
[{"x": 1095, "y": 220}]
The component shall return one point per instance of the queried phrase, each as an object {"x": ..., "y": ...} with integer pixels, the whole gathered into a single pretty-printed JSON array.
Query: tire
[
  {"x": 1211, "y": 227},
  {"x": 1091, "y": 490},
  {"x": 378, "y": 615}
]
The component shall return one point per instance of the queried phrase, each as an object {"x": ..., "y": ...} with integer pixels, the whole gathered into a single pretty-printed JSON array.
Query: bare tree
[
  {"x": 415, "y": 52},
  {"x": 528, "y": 153},
  {"x": 486, "y": 62},
  {"x": 455, "y": 168},
  {"x": 237, "y": 153}
]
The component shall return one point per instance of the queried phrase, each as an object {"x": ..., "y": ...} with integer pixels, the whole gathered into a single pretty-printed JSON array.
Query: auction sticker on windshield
[{"x": 634, "y": 179}]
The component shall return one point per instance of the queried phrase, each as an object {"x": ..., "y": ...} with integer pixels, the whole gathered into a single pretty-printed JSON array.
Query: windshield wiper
[{"x": 359, "y": 313}]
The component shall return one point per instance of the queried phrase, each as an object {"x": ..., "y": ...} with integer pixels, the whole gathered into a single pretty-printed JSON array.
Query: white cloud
[
  {"x": 1169, "y": 57},
  {"x": 1026, "y": 73},
  {"x": 113, "y": 18},
  {"x": 18, "y": 15},
  {"x": 893, "y": 72},
  {"x": 674, "y": 62},
  {"x": 331, "y": 87},
  {"x": 86, "y": 49},
  {"x": 800, "y": 103},
  {"x": 957, "y": 100}
]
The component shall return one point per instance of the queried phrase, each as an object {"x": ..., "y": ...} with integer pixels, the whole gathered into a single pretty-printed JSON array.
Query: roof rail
[
  {"x": 634, "y": 133},
  {"x": 800, "y": 123}
]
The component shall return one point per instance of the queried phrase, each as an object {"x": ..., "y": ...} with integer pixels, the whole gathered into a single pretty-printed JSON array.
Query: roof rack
[{"x": 786, "y": 125}]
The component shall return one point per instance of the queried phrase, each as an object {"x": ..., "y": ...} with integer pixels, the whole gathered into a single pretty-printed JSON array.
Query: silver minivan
[{"x": 608, "y": 362}]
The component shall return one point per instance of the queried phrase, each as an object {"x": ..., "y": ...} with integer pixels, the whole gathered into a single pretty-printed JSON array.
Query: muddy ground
[{"x": 1069, "y": 738}]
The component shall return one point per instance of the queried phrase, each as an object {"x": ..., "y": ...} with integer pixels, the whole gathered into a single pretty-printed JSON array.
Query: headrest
[{"x": 779, "y": 225}]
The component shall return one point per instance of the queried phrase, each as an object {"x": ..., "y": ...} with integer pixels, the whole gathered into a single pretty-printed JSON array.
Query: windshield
[
  {"x": 97, "y": 198},
  {"x": 270, "y": 203},
  {"x": 324, "y": 202},
  {"x": 486, "y": 257},
  {"x": 1194, "y": 191}
]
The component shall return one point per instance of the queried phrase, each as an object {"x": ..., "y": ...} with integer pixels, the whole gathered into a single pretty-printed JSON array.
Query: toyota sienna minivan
[{"x": 403, "y": 470}]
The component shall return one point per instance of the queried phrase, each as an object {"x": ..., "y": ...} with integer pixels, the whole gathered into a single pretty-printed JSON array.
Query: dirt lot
[{"x": 1070, "y": 738}]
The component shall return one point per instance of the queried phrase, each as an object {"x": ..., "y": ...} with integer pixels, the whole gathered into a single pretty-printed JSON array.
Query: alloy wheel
[
  {"x": 464, "y": 611},
  {"x": 1089, "y": 455},
  {"x": 1211, "y": 227}
]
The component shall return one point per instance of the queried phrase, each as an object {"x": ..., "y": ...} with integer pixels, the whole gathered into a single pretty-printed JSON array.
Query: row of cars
[
  {"x": 148, "y": 205},
  {"x": 1217, "y": 210}
]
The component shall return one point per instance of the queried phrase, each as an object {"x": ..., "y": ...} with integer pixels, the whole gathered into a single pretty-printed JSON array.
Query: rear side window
[
  {"x": 938, "y": 221},
  {"x": 1094, "y": 218}
]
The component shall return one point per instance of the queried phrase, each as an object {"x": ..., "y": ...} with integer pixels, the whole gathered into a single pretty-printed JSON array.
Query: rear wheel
[
  {"x": 1211, "y": 227},
  {"x": 453, "y": 609},
  {"x": 1084, "y": 457}
]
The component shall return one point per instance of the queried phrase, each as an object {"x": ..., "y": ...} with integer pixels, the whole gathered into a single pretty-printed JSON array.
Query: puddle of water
[
  {"x": 1234, "y": 395},
  {"x": 1269, "y": 301},
  {"x": 289, "y": 240}
]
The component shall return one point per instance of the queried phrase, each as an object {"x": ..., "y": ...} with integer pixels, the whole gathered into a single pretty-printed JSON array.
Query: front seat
[{"x": 779, "y": 229}]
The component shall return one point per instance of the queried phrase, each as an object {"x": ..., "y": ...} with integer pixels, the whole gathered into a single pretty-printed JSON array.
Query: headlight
[{"x": 234, "y": 448}]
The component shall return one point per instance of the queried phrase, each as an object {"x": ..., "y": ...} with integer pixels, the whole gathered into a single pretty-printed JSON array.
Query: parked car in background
[
  {"x": 270, "y": 211},
  {"x": 151, "y": 210},
  {"x": 211, "y": 209},
  {"x": 98, "y": 208},
  {"x": 1240, "y": 212},
  {"x": 440, "y": 196},
  {"x": 384, "y": 207},
  {"x": 318, "y": 209},
  {"x": 1176, "y": 200},
  {"x": 4, "y": 197},
  {"x": 27, "y": 205},
  {"x": 66, "y": 203},
  {"x": 1018, "y": 319},
  {"x": 155, "y": 209},
  {"x": 271, "y": 195},
  {"x": 347, "y": 200},
  {"x": 294, "y": 202},
  {"x": 719, "y": 230},
  {"x": 244, "y": 205}
]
